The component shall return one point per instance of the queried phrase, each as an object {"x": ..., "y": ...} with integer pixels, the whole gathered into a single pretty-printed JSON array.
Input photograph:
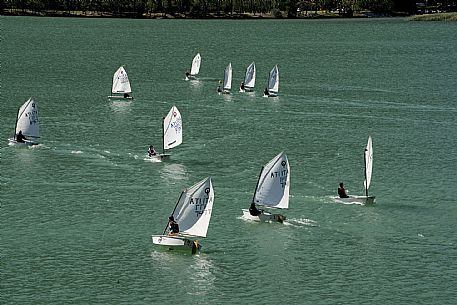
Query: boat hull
[
  {"x": 13, "y": 142},
  {"x": 177, "y": 242},
  {"x": 120, "y": 97},
  {"x": 160, "y": 157},
  {"x": 356, "y": 200},
  {"x": 264, "y": 217}
]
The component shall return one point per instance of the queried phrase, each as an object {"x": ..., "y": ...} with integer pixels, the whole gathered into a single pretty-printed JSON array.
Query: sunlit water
[{"x": 78, "y": 209}]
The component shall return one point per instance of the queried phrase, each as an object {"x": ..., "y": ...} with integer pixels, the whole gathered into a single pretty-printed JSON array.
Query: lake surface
[{"x": 78, "y": 210}]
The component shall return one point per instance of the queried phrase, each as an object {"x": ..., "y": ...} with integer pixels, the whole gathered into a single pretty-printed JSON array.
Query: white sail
[
  {"x": 193, "y": 210},
  {"x": 196, "y": 64},
  {"x": 273, "y": 80},
  {"x": 121, "y": 83},
  {"x": 368, "y": 163},
  {"x": 249, "y": 79},
  {"x": 228, "y": 77},
  {"x": 27, "y": 120},
  {"x": 274, "y": 183},
  {"x": 172, "y": 129}
]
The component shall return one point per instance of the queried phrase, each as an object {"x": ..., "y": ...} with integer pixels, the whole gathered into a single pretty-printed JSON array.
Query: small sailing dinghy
[
  {"x": 272, "y": 88},
  {"x": 272, "y": 190},
  {"x": 27, "y": 125},
  {"x": 192, "y": 215},
  {"x": 368, "y": 160},
  {"x": 171, "y": 132},
  {"x": 121, "y": 85},
  {"x": 249, "y": 79},
  {"x": 227, "y": 84},
  {"x": 195, "y": 68}
]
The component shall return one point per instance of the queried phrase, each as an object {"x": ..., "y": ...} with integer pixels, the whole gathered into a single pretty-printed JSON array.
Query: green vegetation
[
  {"x": 215, "y": 8},
  {"x": 435, "y": 17}
]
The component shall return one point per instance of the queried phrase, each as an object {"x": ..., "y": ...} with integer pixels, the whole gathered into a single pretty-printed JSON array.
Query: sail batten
[{"x": 272, "y": 188}]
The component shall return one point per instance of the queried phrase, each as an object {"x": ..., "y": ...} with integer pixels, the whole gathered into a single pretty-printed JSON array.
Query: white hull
[
  {"x": 176, "y": 243},
  {"x": 121, "y": 97},
  {"x": 160, "y": 157},
  {"x": 264, "y": 217},
  {"x": 13, "y": 142},
  {"x": 356, "y": 200},
  {"x": 191, "y": 77},
  {"x": 271, "y": 94}
]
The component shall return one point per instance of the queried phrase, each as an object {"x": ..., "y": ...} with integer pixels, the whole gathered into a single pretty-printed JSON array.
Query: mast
[
  {"x": 165, "y": 230},
  {"x": 257, "y": 185},
  {"x": 365, "y": 165},
  {"x": 15, "y": 125},
  {"x": 163, "y": 136}
]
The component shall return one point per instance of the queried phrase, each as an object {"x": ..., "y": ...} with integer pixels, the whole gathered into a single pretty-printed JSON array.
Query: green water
[{"x": 78, "y": 210}]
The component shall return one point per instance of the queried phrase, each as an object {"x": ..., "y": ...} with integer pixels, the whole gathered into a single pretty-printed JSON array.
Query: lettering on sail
[
  {"x": 32, "y": 115},
  {"x": 281, "y": 174},
  {"x": 201, "y": 203}
]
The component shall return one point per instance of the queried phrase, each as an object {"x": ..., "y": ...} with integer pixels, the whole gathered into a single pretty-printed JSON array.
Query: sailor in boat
[
  {"x": 151, "y": 151},
  {"x": 126, "y": 95},
  {"x": 254, "y": 211},
  {"x": 20, "y": 138},
  {"x": 242, "y": 86},
  {"x": 342, "y": 191},
  {"x": 219, "y": 90},
  {"x": 173, "y": 227},
  {"x": 266, "y": 92},
  {"x": 187, "y": 74}
]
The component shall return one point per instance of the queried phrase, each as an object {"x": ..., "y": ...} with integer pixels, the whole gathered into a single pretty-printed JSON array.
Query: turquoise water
[{"x": 78, "y": 210}]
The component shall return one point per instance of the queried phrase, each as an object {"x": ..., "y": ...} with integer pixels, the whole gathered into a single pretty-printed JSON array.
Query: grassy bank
[{"x": 435, "y": 17}]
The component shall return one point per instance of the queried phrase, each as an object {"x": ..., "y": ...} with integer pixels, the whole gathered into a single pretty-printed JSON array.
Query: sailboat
[
  {"x": 249, "y": 79},
  {"x": 272, "y": 189},
  {"x": 272, "y": 88},
  {"x": 27, "y": 123},
  {"x": 368, "y": 162},
  {"x": 195, "y": 68},
  {"x": 227, "y": 85},
  {"x": 171, "y": 132},
  {"x": 121, "y": 85},
  {"x": 192, "y": 213}
]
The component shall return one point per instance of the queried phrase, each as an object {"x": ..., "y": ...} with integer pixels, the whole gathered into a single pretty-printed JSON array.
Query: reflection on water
[
  {"x": 173, "y": 171},
  {"x": 121, "y": 106},
  {"x": 201, "y": 275}
]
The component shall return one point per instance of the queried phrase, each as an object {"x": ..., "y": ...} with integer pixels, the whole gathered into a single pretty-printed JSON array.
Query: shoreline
[{"x": 235, "y": 16}]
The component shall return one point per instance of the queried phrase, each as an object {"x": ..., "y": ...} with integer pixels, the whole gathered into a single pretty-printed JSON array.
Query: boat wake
[{"x": 300, "y": 222}]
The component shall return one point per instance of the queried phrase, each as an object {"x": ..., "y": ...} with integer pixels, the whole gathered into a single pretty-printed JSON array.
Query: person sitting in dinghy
[
  {"x": 20, "y": 138},
  {"x": 219, "y": 90},
  {"x": 266, "y": 92},
  {"x": 152, "y": 151},
  {"x": 173, "y": 227},
  {"x": 254, "y": 211},
  {"x": 342, "y": 191},
  {"x": 242, "y": 86}
]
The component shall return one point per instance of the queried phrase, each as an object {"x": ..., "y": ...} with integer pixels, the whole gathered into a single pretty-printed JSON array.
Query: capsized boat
[
  {"x": 272, "y": 87},
  {"x": 272, "y": 189},
  {"x": 121, "y": 85},
  {"x": 27, "y": 123},
  {"x": 195, "y": 68},
  {"x": 249, "y": 79},
  {"x": 171, "y": 132},
  {"x": 368, "y": 163},
  {"x": 192, "y": 213}
]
